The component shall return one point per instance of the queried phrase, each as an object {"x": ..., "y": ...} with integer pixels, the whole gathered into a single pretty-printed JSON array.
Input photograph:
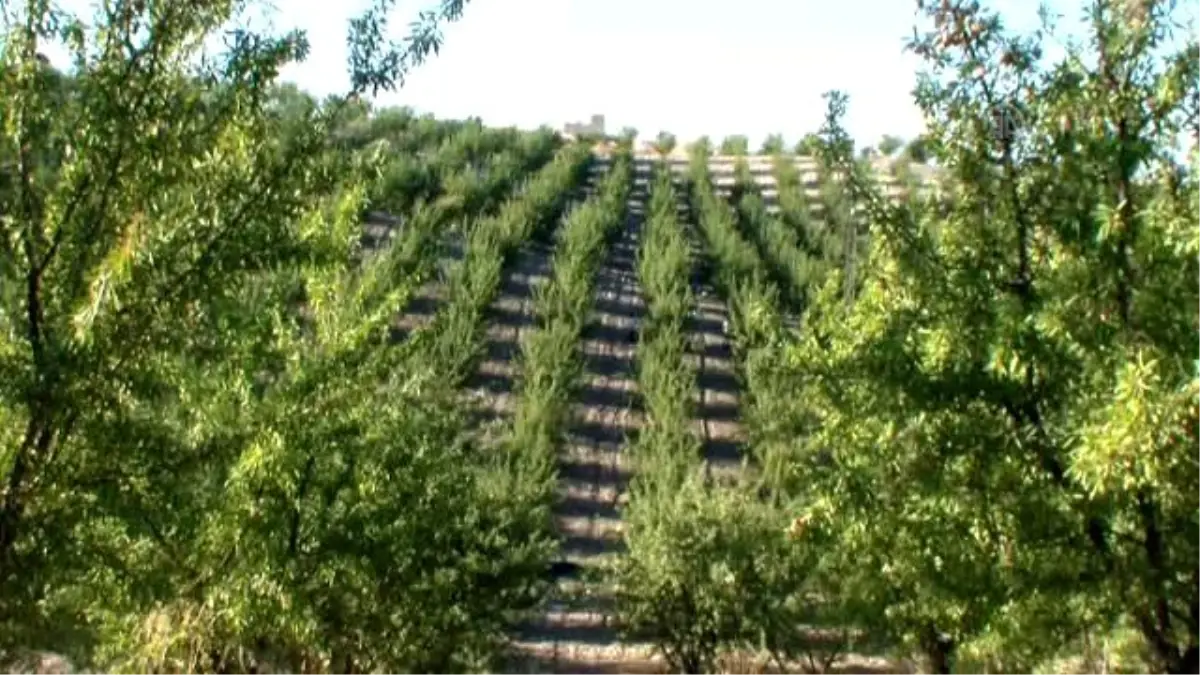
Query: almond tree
[
  {"x": 773, "y": 145},
  {"x": 211, "y": 461},
  {"x": 888, "y": 145},
  {"x": 1003, "y": 424},
  {"x": 664, "y": 144},
  {"x": 917, "y": 150},
  {"x": 809, "y": 145},
  {"x": 735, "y": 145}
]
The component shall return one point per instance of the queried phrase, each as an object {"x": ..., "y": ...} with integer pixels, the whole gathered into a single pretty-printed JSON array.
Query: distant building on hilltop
[{"x": 593, "y": 128}]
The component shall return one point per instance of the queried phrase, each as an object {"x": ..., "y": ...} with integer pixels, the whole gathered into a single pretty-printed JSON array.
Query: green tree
[
  {"x": 291, "y": 103},
  {"x": 1002, "y": 427},
  {"x": 917, "y": 149},
  {"x": 735, "y": 145},
  {"x": 211, "y": 459},
  {"x": 809, "y": 146},
  {"x": 888, "y": 145},
  {"x": 665, "y": 143},
  {"x": 773, "y": 145}
]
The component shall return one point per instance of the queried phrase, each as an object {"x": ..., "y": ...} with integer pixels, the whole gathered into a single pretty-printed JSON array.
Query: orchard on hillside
[
  {"x": 211, "y": 460},
  {"x": 981, "y": 442},
  {"x": 970, "y": 411}
]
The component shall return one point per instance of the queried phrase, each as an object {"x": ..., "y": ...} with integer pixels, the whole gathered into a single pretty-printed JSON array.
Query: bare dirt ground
[
  {"x": 509, "y": 317},
  {"x": 426, "y": 301},
  {"x": 576, "y": 631}
]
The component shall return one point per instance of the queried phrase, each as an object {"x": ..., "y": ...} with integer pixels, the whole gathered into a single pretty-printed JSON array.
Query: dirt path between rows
[{"x": 576, "y": 632}]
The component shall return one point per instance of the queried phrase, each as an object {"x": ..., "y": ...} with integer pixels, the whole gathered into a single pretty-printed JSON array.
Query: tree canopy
[{"x": 212, "y": 458}]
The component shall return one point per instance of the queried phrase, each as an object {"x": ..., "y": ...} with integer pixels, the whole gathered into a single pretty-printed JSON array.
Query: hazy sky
[
  {"x": 695, "y": 67},
  {"x": 749, "y": 67}
]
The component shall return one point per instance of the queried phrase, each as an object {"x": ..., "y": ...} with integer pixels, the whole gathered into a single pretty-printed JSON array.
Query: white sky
[{"x": 714, "y": 68}]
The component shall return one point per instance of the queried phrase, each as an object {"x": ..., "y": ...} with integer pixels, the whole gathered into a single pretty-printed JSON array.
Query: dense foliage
[
  {"x": 735, "y": 145},
  {"x": 970, "y": 409},
  {"x": 551, "y": 359},
  {"x": 985, "y": 430},
  {"x": 994, "y": 425},
  {"x": 213, "y": 457}
]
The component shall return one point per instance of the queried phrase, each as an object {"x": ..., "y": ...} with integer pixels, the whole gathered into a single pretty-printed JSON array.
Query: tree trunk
[
  {"x": 1187, "y": 661},
  {"x": 939, "y": 650}
]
